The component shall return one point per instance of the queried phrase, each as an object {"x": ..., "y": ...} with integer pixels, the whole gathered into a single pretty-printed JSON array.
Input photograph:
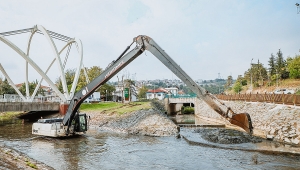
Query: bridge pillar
[{"x": 63, "y": 107}]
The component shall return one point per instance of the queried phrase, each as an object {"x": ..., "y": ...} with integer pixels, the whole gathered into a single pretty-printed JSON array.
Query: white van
[{"x": 284, "y": 91}]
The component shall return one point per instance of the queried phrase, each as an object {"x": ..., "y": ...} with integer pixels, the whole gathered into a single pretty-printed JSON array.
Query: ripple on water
[{"x": 113, "y": 151}]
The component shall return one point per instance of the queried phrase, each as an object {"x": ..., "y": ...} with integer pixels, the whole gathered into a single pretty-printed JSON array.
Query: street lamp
[
  {"x": 251, "y": 75},
  {"x": 298, "y": 9}
]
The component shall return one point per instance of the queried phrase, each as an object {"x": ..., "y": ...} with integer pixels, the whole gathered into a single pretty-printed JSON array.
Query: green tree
[
  {"x": 280, "y": 66},
  {"x": 258, "y": 73},
  {"x": 107, "y": 90},
  {"x": 142, "y": 92},
  {"x": 272, "y": 69},
  {"x": 31, "y": 87},
  {"x": 92, "y": 73},
  {"x": 237, "y": 87},
  {"x": 293, "y": 65},
  {"x": 5, "y": 88}
]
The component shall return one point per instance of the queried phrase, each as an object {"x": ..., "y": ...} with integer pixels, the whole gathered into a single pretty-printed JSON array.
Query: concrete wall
[
  {"x": 173, "y": 105},
  {"x": 27, "y": 106},
  {"x": 280, "y": 122}
]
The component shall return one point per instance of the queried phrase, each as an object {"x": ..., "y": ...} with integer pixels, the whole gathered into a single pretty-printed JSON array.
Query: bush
[{"x": 187, "y": 110}]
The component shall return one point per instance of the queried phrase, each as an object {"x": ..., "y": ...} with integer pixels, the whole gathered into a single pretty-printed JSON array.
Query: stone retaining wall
[{"x": 279, "y": 122}]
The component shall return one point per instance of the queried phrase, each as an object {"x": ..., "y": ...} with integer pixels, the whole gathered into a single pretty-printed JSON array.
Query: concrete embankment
[
  {"x": 150, "y": 122},
  {"x": 278, "y": 122}
]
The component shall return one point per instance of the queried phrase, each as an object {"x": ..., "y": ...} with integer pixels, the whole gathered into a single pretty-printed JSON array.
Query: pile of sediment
[
  {"x": 149, "y": 122},
  {"x": 227, "y": 136}
]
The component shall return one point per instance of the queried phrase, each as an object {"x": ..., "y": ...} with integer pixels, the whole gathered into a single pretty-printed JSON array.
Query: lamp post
[
  {"x": 298, "y": 8},
  {"x": 251, "y": 75}
]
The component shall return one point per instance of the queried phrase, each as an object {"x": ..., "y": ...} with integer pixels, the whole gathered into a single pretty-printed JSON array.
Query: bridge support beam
[{"x": 63, "y": 107}]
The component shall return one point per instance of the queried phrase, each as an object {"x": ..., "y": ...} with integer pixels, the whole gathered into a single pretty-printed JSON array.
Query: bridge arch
[{"x": 38, "y": 28}]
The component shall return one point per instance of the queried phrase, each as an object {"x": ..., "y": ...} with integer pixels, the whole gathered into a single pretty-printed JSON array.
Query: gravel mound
[
  {"x": 151, "y": 122},
  {"x": 226, "y": 136}
]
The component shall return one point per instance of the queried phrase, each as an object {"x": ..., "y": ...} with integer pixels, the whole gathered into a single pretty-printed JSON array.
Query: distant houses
[{"x": 161, "y": 93}]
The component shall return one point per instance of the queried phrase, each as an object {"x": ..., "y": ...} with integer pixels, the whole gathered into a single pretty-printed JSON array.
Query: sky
[{"x": 206, "y": 38}]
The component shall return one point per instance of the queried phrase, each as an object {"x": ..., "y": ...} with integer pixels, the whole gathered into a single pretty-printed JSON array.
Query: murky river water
[{"x": 102, "y": 150}]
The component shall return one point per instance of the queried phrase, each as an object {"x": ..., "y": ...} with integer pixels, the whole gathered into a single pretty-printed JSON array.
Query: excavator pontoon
[{"x": 75, "y": 122}]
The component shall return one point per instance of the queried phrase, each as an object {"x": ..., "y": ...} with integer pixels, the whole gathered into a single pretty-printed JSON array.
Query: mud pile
[
  {"x": 226, "y": 136},
  {"x": 149, "y": 122}
]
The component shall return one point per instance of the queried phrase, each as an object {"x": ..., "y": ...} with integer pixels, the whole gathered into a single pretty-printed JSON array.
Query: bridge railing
[
  {"x": 288, "y": 99},
  {"x": 181, "y": 96},
  {"x": 37, "y": 99}
]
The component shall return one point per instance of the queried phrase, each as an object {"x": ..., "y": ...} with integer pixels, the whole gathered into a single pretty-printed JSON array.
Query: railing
[
  {"x": 181, "y": 96},
  {"x": 288, "y": 99}
]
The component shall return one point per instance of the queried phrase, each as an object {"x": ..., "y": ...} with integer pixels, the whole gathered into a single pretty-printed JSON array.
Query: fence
[
  {"x": 192, "y": 95},
  {"x": 288, "y": 99}
]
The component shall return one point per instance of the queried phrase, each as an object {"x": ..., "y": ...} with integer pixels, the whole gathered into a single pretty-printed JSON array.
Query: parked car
[{"x": 284, "y": 91}]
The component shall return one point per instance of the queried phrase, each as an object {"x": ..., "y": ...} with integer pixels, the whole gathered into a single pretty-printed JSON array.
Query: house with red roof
[{"x": 159, "y": 93}]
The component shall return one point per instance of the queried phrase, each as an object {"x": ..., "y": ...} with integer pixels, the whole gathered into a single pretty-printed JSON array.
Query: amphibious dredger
[{"x": 75, "y": 123}]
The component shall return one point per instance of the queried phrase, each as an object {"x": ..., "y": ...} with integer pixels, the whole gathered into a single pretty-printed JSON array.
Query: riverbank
[{"x": 12, "y": 159}]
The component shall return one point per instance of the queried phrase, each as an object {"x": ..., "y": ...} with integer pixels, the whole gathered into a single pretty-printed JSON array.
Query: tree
[
  {"x": 272, "y": 69},
  {"x": 258, "y": 73},
  {"x": 237, "y": 87},
  {"x": 280, "y": 66},
  {"x": 31, "y": 86},
  {"x": 107, "y": 90},
  {"x": 228, "y": 82},
  {"x": 5, "y": 88},
  {"x": 142, "y": 92},
  {"x": 92, "y": 73},
  {"x": 293, "y": 65}
]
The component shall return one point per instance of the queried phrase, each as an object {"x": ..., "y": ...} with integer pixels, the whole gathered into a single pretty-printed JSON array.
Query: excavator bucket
[{"x": 242, "y": 120}]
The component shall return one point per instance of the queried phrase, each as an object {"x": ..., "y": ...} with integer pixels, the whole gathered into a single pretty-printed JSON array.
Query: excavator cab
[{"x": 81, "y": 123}]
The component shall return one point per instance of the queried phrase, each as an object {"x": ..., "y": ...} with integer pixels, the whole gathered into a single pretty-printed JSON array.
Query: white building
[{"x": 156, "y": 93}]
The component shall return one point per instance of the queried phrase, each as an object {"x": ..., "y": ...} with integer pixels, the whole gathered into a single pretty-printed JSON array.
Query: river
[{"x": 103, "y": 150}]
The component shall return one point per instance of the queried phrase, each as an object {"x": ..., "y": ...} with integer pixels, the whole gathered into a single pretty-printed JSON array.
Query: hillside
[{"x": 293, "y": 84}]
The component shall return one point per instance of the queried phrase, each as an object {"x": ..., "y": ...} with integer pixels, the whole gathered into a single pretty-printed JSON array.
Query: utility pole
[{"x": 251, "y": 75}]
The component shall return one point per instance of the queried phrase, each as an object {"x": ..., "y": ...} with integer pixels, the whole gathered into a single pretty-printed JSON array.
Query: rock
[
  {"x": 293, "y": 135},
  {"x": 287, "y": 140},
  {"x": 272, "y": 132},
  {"x": 292, "y": 131},
  {"x": 295, "y": 141},
  {"x": 284, "y": 128},
  {"x": 270, "y": 137}
]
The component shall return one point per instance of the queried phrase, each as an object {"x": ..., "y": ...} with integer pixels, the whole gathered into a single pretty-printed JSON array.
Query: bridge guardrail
[{"x": 288, "y": 99}]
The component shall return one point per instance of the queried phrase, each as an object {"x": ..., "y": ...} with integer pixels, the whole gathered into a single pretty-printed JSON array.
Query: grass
[
  {"x": 32, "y": 165},
  {"x": 8, "y": 115},
  {"x": 119, "y": 108}
]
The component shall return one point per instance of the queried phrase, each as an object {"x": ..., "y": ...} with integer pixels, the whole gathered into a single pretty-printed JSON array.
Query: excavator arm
[{"x": 146, "y": 43}]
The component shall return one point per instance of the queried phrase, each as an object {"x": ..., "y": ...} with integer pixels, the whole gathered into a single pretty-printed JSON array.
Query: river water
[{"x": 103, "y": 150}]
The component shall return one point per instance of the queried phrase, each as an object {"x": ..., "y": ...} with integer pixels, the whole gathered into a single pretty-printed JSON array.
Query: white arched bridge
[{"x": 57, "y": 59}]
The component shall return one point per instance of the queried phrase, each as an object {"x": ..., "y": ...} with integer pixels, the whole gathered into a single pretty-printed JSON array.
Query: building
[{"x": 159, "y": 93}]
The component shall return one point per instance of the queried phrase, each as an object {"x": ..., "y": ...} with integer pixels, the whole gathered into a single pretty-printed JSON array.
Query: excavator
[{"x": 76, "y": 123}]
